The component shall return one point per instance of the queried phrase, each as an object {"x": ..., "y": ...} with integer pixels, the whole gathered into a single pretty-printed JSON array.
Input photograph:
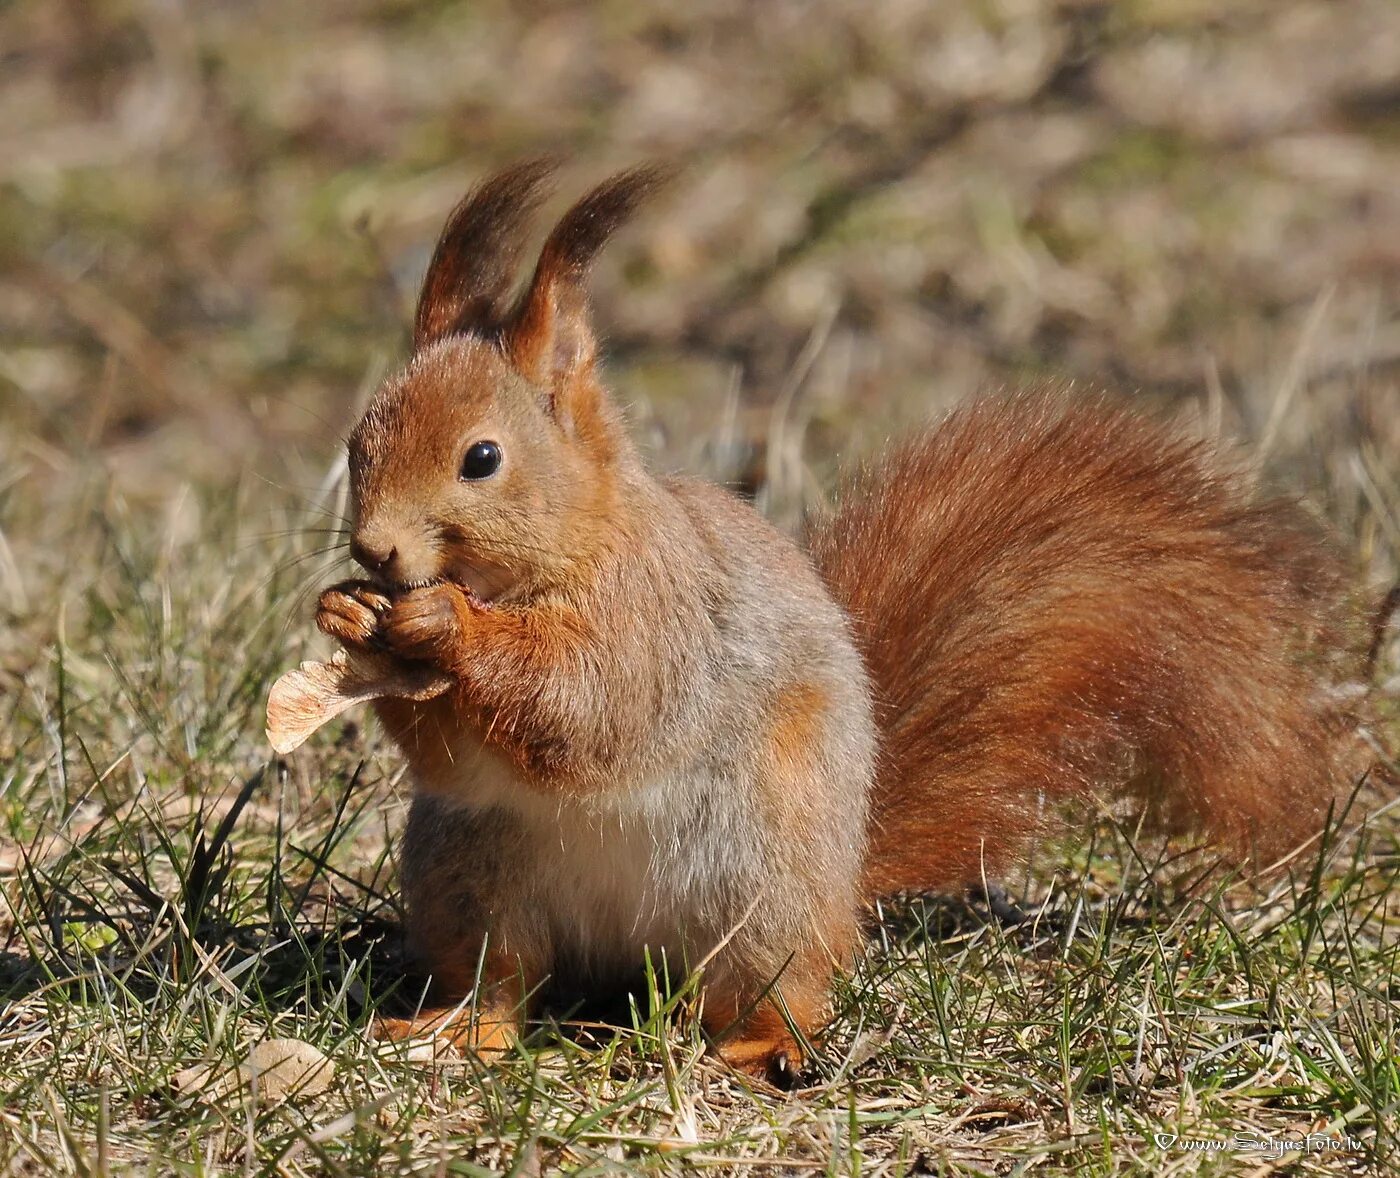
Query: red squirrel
[{"x": 670, "y": 728}]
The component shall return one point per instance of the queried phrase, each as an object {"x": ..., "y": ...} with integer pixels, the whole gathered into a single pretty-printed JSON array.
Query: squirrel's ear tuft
[
  {"x": 474, "y": 265},
  {"x": 549, "y": 338}
]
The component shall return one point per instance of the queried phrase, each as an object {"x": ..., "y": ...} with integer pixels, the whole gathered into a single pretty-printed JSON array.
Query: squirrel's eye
[{"x": 482, "y": 460}]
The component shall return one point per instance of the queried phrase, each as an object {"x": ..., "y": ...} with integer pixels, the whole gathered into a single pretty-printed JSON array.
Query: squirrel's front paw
[
  {"x": 350, "y": 612},
  {"x": 427, "y": 624}
]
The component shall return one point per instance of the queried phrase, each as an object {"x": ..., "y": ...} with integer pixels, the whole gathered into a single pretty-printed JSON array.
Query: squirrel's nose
[{"x": 374, "y": 554}]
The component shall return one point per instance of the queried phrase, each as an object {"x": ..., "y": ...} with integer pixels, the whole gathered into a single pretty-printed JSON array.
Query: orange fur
[
  {"x": 671, "y": 732},
  {"x": 1064, "y": 602},
  {"x": 753, "y": 1034},
  {"x": 473, "y": 267},
  {"x": 508, "y": 653},
  {"x": 797, "y": 717},
  {"x": 549, "y": 338},
  {"x": 492, "y": 1021}
]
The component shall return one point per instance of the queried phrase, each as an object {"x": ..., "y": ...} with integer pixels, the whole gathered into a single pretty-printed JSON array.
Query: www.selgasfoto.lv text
[{"x": 1274, "y": 1147}]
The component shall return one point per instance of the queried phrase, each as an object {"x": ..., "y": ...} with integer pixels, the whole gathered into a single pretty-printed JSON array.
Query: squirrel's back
[{"x": 1064, "y": 601}]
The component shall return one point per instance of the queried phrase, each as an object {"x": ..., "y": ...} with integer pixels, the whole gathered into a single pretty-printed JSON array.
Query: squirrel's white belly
[{"x": 659, "y": 865}]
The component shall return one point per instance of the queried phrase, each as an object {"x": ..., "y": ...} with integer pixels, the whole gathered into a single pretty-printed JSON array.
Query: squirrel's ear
[
  {"x": 549, "y": 338},
  {"x": 474, "y": 265}
]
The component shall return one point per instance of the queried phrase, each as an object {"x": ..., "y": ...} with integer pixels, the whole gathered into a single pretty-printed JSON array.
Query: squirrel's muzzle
[{"x": 374, "y": 553}]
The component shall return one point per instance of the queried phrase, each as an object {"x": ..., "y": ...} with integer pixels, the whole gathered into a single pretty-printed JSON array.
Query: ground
[{"x": 212, "y": 218}]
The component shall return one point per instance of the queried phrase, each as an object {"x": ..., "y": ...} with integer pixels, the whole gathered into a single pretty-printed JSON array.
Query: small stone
[
  {"x": 277, "y": 1068},
  {"x": 273, "y": 1070}
]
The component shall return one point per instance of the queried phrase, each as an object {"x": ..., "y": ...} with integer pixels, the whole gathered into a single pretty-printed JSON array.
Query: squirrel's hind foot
[
  {"x": 490, "y": 1035},
  {"x": 761, "y": 1043},
  {"x": 778, "y": 1060}
]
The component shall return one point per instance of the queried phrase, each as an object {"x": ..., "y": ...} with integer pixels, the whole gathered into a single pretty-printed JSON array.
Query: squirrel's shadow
[
  {"x": 355, "y": 961},
  {"x": 350, "y": 960}
]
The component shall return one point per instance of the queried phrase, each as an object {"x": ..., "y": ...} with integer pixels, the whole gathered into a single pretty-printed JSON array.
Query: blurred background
[{"x": 213, "y": 216}]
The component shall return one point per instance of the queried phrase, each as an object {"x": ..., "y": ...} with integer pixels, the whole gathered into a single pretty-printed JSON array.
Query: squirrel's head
[{"x": 491, "y": 459}]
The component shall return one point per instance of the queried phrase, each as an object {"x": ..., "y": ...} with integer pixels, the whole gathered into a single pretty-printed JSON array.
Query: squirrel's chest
[
  {"x": 659, "y": 865},
  {"x": 652, "y": 867}
]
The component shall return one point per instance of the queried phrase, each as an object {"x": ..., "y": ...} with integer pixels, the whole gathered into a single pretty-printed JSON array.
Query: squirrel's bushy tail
[{"x": 1065, "y": 602}]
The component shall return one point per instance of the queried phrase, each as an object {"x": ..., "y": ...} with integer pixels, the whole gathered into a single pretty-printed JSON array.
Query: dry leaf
[{"x": 315, "y": 693}]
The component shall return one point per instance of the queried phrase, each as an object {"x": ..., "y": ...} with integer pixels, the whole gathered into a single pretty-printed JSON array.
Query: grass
[
  {"x": 211, "y": 221},
  {"x": 171, "y": 897}
]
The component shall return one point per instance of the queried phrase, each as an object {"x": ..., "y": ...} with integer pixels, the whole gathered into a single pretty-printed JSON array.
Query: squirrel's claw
[{"x": 781, "y": 1072}]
